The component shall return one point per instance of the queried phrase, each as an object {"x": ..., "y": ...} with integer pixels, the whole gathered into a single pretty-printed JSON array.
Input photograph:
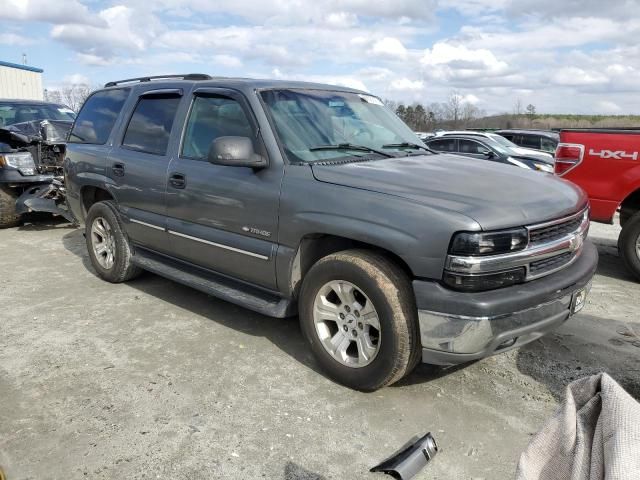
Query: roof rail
[{"x": 187, "y": 76}]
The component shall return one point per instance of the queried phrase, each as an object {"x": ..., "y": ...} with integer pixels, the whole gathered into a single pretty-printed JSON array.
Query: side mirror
[
  {"x": 488, "y": 154},
  {"x": 235, "y": 152}
]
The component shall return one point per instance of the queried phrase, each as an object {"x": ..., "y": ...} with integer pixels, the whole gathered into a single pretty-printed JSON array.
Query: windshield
[
  {"x": 307, "y": 119},
  {"x": 501, "y": 140},
  {"x": 11, "y": 113}
]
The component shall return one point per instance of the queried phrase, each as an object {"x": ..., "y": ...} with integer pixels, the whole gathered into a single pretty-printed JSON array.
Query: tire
[
  {"x": 373, "y": 281},
  {"x": 8, "y": 216},
  {"x": 629, "y": 244},
  {"x": 104, "y": 228}
]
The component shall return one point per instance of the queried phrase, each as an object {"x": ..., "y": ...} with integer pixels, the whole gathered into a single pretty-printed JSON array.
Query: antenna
[{"x": 24, "y": 58}]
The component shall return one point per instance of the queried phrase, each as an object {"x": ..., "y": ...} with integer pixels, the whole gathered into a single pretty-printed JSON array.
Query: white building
[{"x": 20, "y": 81}]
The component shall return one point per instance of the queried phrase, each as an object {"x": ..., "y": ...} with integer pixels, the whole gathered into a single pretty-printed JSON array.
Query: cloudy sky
[{"x": 569, "y": 56}]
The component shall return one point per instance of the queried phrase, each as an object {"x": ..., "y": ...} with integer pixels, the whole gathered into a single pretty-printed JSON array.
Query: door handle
[
  {"x": 177, "y": 180},
  {"x": 118, "y": 169}
]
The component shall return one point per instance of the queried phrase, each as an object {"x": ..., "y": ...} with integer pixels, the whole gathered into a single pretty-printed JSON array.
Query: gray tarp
[{"x": 594, "y": 435}]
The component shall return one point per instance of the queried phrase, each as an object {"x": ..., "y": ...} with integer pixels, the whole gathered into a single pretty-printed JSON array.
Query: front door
[{"x": 219, "y": 217}]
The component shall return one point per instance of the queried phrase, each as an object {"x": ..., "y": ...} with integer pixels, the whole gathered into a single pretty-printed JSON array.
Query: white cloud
[
  {"x": 607, "y": 107},
  {"x": 227, "y": 61},
  {"x": 68, "y": 11},
  {"x": 124, "y": 30},
  {"x": 446, "y": 62},
  {"x": 341, "y": 19},
  {"x": 575, "y": 76},
  {"x": 389, "y": 47},
  {"x": 406, "y": 85},
  {"x": 8, "y": 38},
  {"x": 76, "y": 79}
]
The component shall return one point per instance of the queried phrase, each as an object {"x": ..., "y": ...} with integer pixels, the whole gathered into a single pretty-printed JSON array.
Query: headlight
[
  {"x": 468, "y": 244},
  {"x": 544, "y": 167},
  {"x": 489, "y": 243},
  {"x": 23, "y": 161}
]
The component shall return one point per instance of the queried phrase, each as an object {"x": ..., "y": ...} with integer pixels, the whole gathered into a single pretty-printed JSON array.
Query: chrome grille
[{"x": 553, "y": 232}]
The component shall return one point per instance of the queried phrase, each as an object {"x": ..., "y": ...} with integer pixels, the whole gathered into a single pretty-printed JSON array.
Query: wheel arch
[
  {"x": 629, "y": 206},
  {"x": 90, "y": 194},
  {"x": 314, "y": 246}
]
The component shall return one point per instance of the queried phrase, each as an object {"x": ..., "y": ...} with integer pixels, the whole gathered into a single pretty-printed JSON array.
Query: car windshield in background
[
  {"x": 502, "y": 141},
  {"x": 308, "y": 122},
  {"x": 11, "y": 113}
]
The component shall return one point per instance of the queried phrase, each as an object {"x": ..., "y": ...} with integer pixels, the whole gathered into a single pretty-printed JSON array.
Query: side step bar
[{"x": 215, "y": 285}]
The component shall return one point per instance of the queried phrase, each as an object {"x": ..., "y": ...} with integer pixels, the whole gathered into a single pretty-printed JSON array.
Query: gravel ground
[{"x": 151, "y": 379}]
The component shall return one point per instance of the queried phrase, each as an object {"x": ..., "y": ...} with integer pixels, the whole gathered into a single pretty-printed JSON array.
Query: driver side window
[{"x": 212, "y": 117}]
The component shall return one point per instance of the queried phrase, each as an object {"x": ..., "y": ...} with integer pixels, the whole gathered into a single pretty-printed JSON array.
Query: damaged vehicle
[{"x": 32, "y": 143}]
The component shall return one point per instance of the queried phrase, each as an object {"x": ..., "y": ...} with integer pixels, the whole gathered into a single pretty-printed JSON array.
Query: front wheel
[
  {"x": 8, "y": 216},
  {"x": 629, "y": 244},
  {"x": 358, "y": 313}
]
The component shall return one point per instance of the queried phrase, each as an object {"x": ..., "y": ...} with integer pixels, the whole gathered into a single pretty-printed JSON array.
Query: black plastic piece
[
  {"x": 411, "y": 458},
  {"x": 187, "y": 76},
  {"x": 49, "y": 198}
]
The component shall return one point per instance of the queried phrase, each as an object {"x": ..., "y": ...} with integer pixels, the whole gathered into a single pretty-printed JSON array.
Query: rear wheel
[
  {"x": 629, "y": 244},
  {"x": 357, "y": 311},
  {"x": 108, "y": 246},
  {"x": 8, "y": 216}
]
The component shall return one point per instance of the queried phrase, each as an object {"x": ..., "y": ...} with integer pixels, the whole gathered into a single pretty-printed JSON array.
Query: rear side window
[
  {"x": 97, "y": 116},
  {"x": 150, "y": 125},
  {"x": 443, "y": 145},
  {"x": 210, "y": 118}
]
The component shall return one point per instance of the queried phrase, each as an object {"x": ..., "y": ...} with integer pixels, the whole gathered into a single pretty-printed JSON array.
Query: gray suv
[{"x": 295, "y": 198}]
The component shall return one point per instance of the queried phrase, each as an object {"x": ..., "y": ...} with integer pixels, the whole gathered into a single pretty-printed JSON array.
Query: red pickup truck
[{"x": 606, "y": 164}]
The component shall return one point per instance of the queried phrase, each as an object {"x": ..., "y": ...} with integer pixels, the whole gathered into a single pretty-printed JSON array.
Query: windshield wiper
[
  {"x": 415, "y": 146},
  {"x": 351, "y": 146}
]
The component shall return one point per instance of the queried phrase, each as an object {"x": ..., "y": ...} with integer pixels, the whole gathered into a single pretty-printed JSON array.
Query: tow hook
[{"x": 410, "y": 459}]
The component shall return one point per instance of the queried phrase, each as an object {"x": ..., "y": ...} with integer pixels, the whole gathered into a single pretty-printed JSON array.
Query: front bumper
[{"x": 457, "y": 327}]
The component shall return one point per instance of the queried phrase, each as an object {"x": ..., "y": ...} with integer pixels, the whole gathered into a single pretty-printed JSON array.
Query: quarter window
[
  {"x": 150, "y": 125},
  {"x": 97, "y": 117},
  {"x": 212, "y": 117}
]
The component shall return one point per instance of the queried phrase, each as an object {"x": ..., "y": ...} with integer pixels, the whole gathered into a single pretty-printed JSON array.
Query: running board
[{"x": 215, "y": 285}]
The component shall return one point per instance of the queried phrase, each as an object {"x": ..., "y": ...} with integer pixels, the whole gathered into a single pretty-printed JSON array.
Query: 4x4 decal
[{"x": 617, "y": 155}]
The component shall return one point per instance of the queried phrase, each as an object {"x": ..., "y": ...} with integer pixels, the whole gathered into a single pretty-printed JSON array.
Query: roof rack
[{"x": 187, "y": 76}]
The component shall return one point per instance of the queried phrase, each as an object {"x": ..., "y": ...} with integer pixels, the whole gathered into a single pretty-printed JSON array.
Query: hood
[
  {"x": 533, "y": 154},
  {"x": 493, "y": 194}
]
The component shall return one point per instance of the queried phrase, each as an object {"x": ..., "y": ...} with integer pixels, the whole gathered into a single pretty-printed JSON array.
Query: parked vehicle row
[
  {"x": 290, "y": 197},
  {"x": 489, "y": 146}
]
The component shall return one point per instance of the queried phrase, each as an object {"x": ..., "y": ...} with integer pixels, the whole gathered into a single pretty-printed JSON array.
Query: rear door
[
  {"x": 223, "y": 218},
  {"x": 138, "y": 166}
]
